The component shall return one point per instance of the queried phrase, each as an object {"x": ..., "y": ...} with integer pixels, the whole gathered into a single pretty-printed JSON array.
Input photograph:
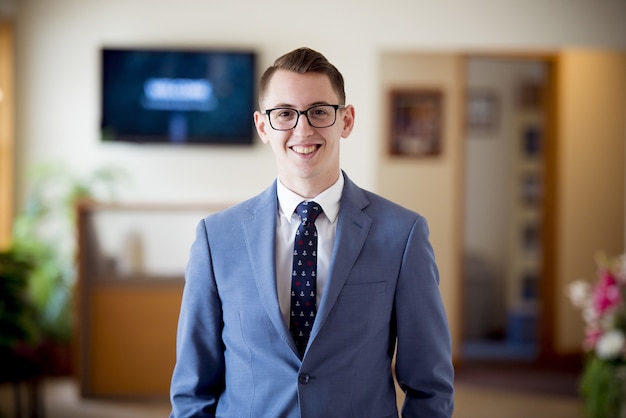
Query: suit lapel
[
  {"x": 260, "y": 232},
  {"x": 352, "y": 230}
]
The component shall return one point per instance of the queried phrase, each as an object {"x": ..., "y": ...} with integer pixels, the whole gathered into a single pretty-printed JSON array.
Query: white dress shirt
[{"x": 286, "y": 227}]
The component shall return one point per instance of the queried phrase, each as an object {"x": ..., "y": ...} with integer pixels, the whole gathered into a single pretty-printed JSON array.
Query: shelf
[{"x": 142, "y": 280}]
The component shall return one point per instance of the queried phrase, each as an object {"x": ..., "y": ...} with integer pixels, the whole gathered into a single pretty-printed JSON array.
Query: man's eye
[
  {"x": 284, "y": 113},
  {"x": 321, "y": 112}
]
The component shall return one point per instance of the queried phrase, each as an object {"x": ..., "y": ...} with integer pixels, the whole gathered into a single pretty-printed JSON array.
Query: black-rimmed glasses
[{"x": 318, "y": 116}]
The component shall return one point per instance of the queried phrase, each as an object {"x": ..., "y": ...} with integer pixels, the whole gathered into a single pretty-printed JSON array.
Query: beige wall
[
  {"x": 430, "y": 185},
  {"x": 591, "y": 165}
]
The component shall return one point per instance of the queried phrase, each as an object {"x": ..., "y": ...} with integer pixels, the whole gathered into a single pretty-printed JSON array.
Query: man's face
[{"x": 307, "y": 157}]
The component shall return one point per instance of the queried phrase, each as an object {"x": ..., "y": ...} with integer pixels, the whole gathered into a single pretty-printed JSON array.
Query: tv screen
[{"x": 178, "y": 96}]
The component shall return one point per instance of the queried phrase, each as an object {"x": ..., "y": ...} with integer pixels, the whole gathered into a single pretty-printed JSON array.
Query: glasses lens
[
  {"x": 283, "y": 119},
  {"x": 321, "y": 116}
]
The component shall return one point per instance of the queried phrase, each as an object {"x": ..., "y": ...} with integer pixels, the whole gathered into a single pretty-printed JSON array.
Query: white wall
[{"x": 58, "y": 74}]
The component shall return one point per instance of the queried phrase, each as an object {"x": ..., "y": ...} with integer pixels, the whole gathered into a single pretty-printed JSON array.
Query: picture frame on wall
[{"x": 416, "y": 122}]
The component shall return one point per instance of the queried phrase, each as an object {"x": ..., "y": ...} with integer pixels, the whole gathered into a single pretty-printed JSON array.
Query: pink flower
[
  {"x": 603, "y": 308},
  {"x": 592, "y": 336},
  {"x": 606, "y": 293}
]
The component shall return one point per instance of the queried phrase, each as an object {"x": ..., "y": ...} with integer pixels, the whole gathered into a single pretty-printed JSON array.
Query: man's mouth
[{"x": 305, "y": 150}]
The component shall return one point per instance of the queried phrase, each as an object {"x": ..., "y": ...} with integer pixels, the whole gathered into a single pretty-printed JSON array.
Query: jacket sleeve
[
  {"x": 198, "y": 377},
  {"x": 423, "y": 359}
]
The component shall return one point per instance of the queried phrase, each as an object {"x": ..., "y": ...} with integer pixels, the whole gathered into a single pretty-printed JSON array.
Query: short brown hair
[{"x": 305, "y": 60}]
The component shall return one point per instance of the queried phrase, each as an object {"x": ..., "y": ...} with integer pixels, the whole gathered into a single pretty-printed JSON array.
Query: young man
[{"x": 271, "y": 329}]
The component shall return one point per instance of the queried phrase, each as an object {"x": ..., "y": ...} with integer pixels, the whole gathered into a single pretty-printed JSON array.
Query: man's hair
[{"x": 305, "y": 60}]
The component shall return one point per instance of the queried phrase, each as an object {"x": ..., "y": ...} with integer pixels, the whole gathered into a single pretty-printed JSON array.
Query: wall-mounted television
[{"x": 176, "y": 96}]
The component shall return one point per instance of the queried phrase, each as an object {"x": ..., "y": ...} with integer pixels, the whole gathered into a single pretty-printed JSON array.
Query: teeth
[{"x": 304, "y": 150}]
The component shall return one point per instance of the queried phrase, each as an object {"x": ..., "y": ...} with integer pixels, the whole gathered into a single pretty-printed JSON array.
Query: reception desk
[{"x": 131, "y": 261}]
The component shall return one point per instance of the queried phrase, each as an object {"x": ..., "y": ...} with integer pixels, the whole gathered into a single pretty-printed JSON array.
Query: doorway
[{"x": 506, "y": 122}]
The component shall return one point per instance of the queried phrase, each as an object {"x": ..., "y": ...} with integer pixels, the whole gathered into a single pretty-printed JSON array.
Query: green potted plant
[
  {"x": 19, "y": 331},
  {"x": 17, "y": 317},
  {"x": 44, "y": 234}
]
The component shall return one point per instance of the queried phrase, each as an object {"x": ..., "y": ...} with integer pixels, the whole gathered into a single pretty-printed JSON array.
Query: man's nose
[{"x": 303, "y": 124}]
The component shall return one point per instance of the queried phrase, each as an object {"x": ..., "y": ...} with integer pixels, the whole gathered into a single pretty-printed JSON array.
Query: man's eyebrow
[
  {"x": 318, "y": 103},
  {"x": 291, "y": 106}
]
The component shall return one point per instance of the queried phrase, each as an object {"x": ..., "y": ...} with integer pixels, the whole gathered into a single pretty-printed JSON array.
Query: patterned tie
[{"x": 304, "y": 275}]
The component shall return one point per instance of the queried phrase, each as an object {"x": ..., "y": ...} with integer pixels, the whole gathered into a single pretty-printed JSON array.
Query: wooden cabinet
[{"x": 131, "y": 261}]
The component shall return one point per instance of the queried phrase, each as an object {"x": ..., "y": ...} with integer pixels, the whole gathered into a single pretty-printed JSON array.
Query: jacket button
[{"x": 304, "y": 378}]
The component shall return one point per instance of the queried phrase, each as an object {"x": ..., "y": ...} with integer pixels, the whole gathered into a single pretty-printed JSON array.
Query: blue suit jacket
[{"x": 236, "y": 357}]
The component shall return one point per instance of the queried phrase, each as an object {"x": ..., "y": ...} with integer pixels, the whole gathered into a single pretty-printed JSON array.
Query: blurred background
[{"x": 501, "y": 122}]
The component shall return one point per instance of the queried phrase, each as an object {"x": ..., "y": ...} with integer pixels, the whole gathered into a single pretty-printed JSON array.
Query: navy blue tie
[{"x": 304, "y": 275}]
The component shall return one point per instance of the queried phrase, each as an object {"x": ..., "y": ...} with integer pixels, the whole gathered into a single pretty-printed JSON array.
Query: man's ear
[
  {"x": 348, "y": 121},
  {"x": 261, "y": 126}
]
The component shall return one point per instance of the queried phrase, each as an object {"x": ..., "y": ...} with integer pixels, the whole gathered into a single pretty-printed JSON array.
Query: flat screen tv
[{"x": 177, "y": 96}]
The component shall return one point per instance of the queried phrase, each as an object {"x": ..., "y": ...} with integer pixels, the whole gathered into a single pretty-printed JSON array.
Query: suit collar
[{"x": 328, "y": 199}]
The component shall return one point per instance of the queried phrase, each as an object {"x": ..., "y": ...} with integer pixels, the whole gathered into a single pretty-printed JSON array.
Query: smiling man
[{"x": 296, "y": 300}]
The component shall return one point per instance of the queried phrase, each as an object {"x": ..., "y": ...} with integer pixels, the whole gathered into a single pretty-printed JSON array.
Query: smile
[{"x": 308, "y": 149}]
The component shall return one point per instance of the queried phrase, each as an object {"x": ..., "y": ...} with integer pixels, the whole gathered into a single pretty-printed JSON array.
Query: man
[{"x": 261, "y": 335}]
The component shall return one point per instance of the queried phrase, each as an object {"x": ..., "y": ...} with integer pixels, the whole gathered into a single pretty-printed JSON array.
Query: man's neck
[{"x": 308, "y": 189}]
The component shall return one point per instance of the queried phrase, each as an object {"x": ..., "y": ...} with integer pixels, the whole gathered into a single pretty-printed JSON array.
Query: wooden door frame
[
  {"x": 6, "y": 132},
  {"x": 549, "y": 233}
]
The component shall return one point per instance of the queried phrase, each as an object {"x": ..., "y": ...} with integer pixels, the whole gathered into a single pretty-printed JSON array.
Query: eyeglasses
[{"x": 318, "y": 116}]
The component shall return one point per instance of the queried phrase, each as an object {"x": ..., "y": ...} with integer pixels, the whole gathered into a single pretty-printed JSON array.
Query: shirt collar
[{"x": 328, "y": 199}]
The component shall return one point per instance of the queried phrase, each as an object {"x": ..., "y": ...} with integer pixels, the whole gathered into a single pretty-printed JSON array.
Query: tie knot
[{"x": 309, "y": 211}]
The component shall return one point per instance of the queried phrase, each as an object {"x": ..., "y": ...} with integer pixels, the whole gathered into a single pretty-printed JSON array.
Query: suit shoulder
[{"x": 379, "y": 203}]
